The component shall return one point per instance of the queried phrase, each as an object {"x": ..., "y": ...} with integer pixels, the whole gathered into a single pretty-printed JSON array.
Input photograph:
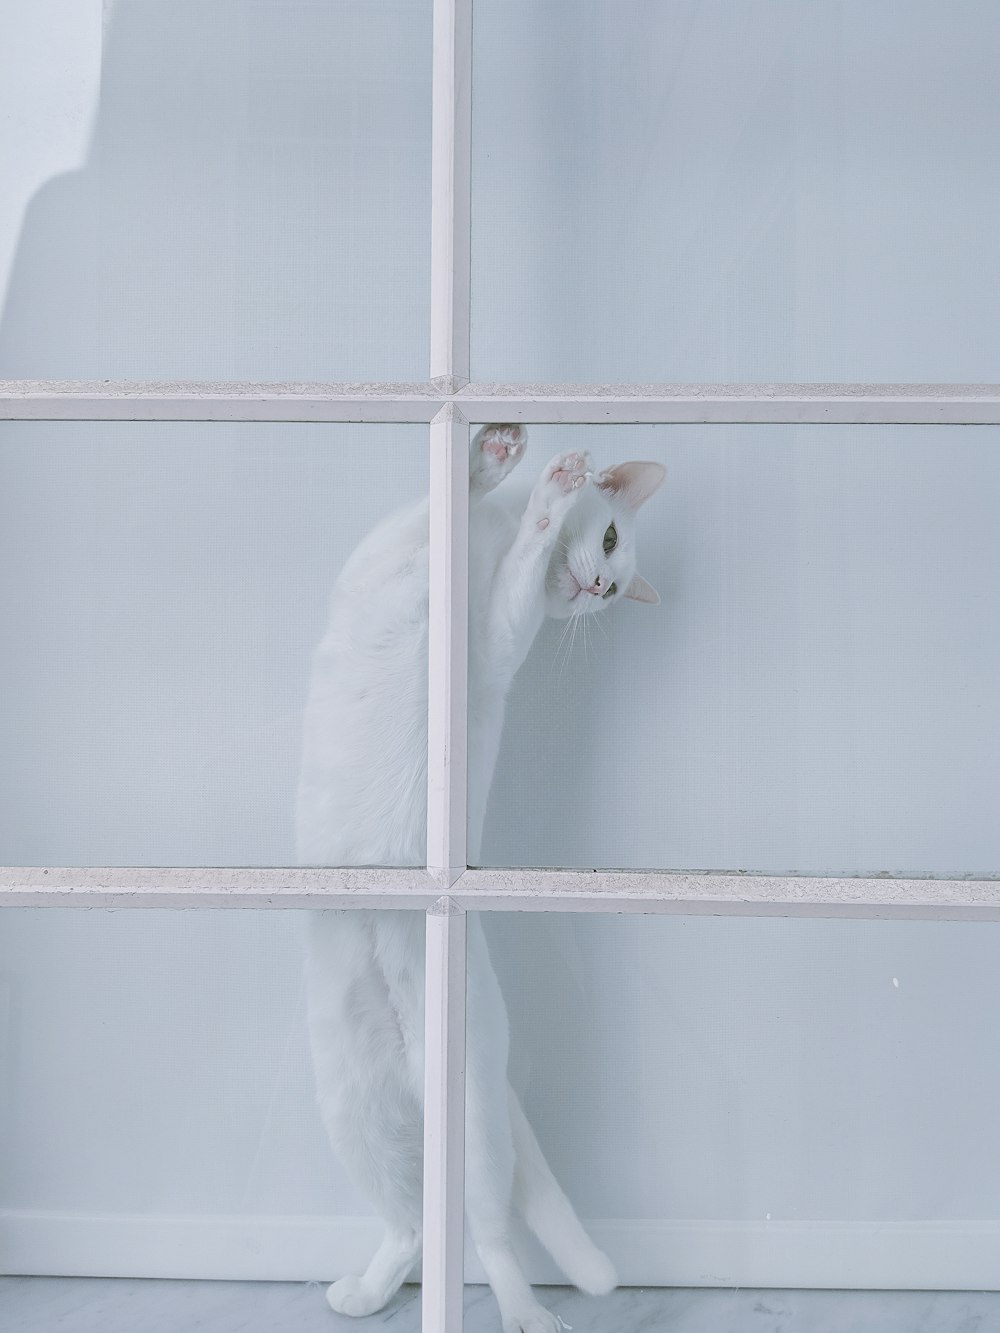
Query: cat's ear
[
  {"x": 632, "y": 483},
  {"x": 641, "y": 591}
]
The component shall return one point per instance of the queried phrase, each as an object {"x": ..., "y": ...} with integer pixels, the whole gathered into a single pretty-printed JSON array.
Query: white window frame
[{"x": 448, "y": 887}]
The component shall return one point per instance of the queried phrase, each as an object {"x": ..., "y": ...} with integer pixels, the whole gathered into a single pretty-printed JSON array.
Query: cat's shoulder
[{"x": 399, "y": 539}]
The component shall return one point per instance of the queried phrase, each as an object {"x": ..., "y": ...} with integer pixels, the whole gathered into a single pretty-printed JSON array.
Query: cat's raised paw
[
  {"x": 568, "y": 472},
  {"x": 351, "y": 1295},
  {"x": 558, "y": 488},
  {"x": 496, "y": 450}
]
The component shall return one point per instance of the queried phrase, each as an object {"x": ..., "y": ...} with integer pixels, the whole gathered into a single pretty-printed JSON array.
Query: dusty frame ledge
[
  {"x": 709, "y": 893},
  {"x": 544, "y": 404}
]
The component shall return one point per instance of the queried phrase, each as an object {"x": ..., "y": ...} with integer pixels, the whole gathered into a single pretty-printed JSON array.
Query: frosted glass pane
[
  {"x": 816, "y": 691},
  {"x": 720, "y": 191},
  {"x": 215, "y": 189},
  {"x": 165, "y": 588},
  {"x": 160, "y": 1119},
  {"x": 750, "y": 1102}
]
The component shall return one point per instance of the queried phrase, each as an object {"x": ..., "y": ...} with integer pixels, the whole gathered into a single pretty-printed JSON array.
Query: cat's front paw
[
  {"x": 567, "y": 472},
  {"x": 496, "y": 450},
  {"x": 558, "y": 489}
]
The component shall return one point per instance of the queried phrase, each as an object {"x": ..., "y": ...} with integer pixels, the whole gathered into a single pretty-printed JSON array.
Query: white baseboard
[{"x": 958, "y": 1255}]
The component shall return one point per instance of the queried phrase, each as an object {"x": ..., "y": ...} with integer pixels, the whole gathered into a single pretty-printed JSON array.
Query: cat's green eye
[
  {"x": 610, "y": 539},
  {"x": 610, "y": 592}
]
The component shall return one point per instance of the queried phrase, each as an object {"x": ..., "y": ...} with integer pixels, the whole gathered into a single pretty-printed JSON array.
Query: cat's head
[{"x": 594, "y": 565}]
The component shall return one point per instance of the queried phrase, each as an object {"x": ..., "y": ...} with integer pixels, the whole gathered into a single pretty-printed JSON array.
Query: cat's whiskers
[
  {"x": 579, "y": 619},
  {"x": 574, "y": 629},
  {"x": 588, "y": 640},
  {"x": 559, "y": 644},
  {"x": 572, "y": 626}
]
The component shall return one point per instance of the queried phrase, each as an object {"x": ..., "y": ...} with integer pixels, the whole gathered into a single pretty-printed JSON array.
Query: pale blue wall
[{"x": 771, "y": 191}]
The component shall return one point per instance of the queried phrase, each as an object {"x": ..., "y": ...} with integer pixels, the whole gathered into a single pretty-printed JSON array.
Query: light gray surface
[{"x": 109, "y": 1305}]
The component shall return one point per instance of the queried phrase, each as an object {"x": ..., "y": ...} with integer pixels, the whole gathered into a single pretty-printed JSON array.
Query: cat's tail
[{"x": 550, "y": 1214}]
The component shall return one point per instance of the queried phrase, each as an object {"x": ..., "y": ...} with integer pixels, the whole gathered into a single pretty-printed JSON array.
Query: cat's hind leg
[
  {"x": 490, "y": 1152},
  {"x": 490, "y": 1172},
  {"x": 388, "y": 1270},
  {"x": 496, "y": 450},
  {"x": 372, "y": 1116}
]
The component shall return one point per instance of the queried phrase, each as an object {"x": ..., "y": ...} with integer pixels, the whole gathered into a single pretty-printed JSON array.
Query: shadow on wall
[
  {"x": 249, "y": 207},
  {"x": 253, "y": 204}
]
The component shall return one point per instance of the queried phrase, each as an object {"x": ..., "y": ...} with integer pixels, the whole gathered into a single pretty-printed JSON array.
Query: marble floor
[{"x": 123, "y": 1305}]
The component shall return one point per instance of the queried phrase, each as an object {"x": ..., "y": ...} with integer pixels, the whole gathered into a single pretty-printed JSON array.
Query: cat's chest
[{"x": 492, "y": 528}]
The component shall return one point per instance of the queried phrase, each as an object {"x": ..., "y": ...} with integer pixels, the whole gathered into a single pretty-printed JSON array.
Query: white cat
[{"x": 362, "y": 801}]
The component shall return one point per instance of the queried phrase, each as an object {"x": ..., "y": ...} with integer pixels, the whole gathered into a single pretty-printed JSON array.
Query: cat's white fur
[{"x": 362, "y": 801}]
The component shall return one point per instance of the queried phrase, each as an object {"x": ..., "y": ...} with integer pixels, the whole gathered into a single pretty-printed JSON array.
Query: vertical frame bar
[
  {"x": 448, "y": 647},
  {"x": 444, "y": 1119},
  {"x": 448, "y": 653},
  {"x": 451, "y": 202},
  {"x": 445, "y": 979}
]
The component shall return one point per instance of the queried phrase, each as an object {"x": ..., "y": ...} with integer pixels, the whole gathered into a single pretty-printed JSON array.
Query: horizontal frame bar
[
  {"x": 544, "y": 404},
  {"x": 181, "y": 400},
  {"x": 733, "y": 404},
  {"x": 709, "y": 893}
]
